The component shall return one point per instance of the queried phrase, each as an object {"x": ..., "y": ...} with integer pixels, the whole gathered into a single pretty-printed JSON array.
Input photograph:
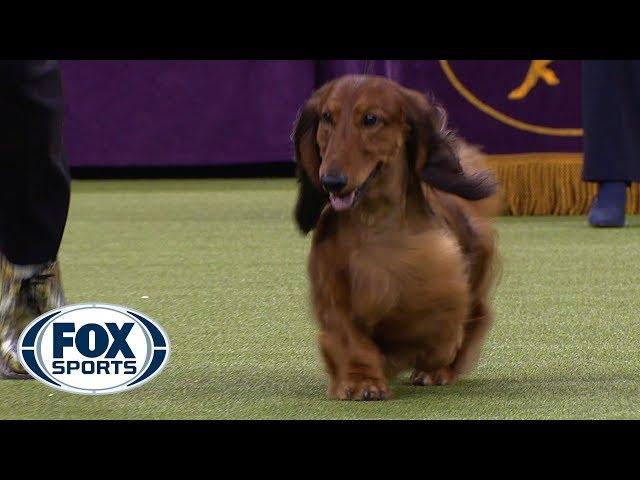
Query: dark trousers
[
  {"x": 611, "y": 120},
  {"x": 34, "y": 175}
]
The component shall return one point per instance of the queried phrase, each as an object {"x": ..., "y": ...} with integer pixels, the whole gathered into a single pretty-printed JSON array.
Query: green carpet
[{"x": 224, "y": 272}]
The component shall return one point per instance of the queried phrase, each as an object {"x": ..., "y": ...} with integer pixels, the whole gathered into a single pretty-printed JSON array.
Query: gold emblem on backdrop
[
  {"x": 539, "y": 75},
  {"x": 539, "y": 69}
]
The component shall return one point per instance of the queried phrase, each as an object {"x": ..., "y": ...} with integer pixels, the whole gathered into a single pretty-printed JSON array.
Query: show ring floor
[{"x": 220, "y": 265}]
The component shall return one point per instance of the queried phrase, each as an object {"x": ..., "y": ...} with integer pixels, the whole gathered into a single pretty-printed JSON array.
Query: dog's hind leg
[
  {"x": 475, "y": 330},
  {"x": 433, "y": 366}
]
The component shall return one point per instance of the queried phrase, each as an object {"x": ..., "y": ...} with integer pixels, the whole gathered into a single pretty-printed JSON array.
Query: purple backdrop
[{"x": 144, "y": 113}]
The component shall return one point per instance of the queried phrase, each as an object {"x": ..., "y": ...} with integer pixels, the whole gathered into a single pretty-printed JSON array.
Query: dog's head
[{"x": 356, "y": 130}]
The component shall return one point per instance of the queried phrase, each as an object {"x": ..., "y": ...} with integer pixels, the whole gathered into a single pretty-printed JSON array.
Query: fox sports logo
[{"x": 94, "y": 349}]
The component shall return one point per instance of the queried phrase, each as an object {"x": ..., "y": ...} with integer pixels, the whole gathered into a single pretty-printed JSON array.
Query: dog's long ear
[
  {"x": 434, "y": 149},
  {"x": 311, "y": 196}
]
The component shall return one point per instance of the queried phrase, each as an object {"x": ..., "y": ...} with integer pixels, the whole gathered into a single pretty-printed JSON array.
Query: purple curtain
[{"x": 163, "y": 113}]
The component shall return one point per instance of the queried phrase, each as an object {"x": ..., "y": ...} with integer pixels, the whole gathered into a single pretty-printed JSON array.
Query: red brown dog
[{"x": 402, "y": 259}]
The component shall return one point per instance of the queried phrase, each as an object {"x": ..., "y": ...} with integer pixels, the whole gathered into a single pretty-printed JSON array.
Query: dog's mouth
[{"x": 350, "y": 200}]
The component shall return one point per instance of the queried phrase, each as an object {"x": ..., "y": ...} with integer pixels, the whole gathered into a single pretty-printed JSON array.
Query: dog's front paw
[
  {"x": 442, "y": 376},
  {"x": 363, "y": 389}
]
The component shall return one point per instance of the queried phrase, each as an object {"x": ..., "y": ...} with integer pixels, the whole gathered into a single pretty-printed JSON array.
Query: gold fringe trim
[{"x": 549, "y": 184}]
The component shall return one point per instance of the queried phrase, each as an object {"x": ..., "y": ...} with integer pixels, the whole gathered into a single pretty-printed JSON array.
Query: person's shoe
[
  {"x": 608, "y": 207},
  {"x": 26, "y": 292}
]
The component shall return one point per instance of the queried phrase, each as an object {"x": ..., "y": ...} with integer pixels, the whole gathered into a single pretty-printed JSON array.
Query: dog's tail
[{"x": 472, "y": 161}]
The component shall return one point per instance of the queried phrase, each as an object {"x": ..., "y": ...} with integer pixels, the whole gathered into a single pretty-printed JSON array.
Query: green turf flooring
[{"x": 224, "y": 272}]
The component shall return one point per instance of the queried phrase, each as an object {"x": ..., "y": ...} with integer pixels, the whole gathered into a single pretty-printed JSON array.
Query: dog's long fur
[{"x": 402, "y": 279}]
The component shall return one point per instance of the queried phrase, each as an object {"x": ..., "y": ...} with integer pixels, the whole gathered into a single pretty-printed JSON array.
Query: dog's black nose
[{"x": 333, "y": 183}]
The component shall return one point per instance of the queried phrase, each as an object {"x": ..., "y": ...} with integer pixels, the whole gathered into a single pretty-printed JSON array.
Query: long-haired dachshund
[{"x": 402, "y": 258}]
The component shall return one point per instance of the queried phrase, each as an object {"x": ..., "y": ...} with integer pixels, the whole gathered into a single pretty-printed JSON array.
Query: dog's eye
[
  {"x": 369, "y": 120},
  {"x": 326, "y": 117}
]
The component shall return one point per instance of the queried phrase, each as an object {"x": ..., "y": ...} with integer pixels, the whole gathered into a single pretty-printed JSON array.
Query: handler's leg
[
  {"x": 34, "y": 199},
  {"x": 611, "y": 119}
]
